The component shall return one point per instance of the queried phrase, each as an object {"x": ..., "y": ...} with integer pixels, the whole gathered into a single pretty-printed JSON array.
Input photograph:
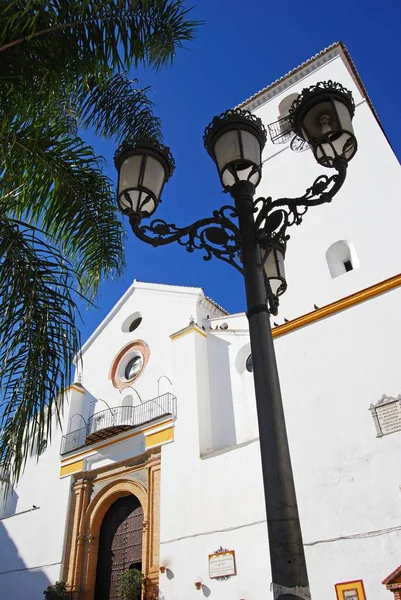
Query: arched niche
[
  {"x": 285, "y": 104},
  {"x": 341, "y": 258},
  {"x": 241, "y": 358}
]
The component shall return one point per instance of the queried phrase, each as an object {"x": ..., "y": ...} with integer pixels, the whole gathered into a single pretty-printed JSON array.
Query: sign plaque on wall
[
  {"x": 386, "y": 415},
  {"x": 350, "y": 590},
  {"x": 222, "y": 564}
]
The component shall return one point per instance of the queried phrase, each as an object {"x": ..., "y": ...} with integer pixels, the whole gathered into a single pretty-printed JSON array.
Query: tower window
[
  {"x": 341, "y": 258},
  {"x": 285, "y": 105},
  {"x": 132, "y": 322},
  {"x": 135, "y": 324}
]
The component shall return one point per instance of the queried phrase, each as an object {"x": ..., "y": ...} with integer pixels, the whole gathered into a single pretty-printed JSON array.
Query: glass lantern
[
  {"x": 235, "y": 141},
  {"x": 143, "y": 169},
  {"x": 322, "y": 116},
  {"x": 274, "y": 269}
]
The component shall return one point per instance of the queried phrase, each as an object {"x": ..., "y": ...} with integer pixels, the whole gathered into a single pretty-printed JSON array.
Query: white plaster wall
[
  {"x": 234, "y": 419},
  {"x": 336, "y": 421},
  {"x": 347, "y": 479},
  {"x": 164, "y": 310},
  {"x": 366, "y": 211},
  {"x": 32, "y": 543},
  {"x": 196, "y": 513},
  {"x": 178, "y": 580},
  {"x": 162, "y": 314},
  {"x": 110, "y": 455},
  {"x": 202, "y": 499},
  {"x": 223, "y": 423},
  {"x": 201, "y": 376},
  {"x": 77, "y": 410}
]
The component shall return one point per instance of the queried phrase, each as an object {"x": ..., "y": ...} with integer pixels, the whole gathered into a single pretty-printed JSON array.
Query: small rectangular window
[{"x": 348, "y": 265}]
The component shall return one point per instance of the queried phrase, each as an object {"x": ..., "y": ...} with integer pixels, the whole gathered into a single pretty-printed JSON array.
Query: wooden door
[{"x": 120, "y": 545}]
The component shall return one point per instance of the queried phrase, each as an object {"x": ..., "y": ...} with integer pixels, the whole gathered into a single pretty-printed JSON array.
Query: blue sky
[{"x": 241, "y": 48}]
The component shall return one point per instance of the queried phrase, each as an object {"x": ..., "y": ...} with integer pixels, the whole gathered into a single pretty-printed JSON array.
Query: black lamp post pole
[{"x": 287, "y": 556}]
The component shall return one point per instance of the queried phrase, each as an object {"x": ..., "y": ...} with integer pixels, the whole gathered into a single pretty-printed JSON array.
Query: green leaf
[
  {"x": 38, "y": 339},
  {"x": 74, "y": 203},
  {"x": 48, "y": 35},
  {"x": 117, "y": 108}
]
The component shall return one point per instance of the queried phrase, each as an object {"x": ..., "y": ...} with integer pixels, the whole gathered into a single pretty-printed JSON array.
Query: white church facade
[{"x": 157, "y": 465}]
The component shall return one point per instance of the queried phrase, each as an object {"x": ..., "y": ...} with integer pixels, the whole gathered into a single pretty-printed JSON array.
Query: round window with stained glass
[
  {"x": 129, "y": 364},
  {"x": 133, "y": 367}
]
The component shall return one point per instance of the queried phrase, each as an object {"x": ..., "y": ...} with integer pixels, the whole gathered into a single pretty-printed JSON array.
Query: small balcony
[{"x": 110, "y": 422}]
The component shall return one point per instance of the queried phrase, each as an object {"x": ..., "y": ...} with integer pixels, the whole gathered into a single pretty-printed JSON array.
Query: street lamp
[
  {"x": 322, "y": 116},
  {"x": 143, "y": 169}
]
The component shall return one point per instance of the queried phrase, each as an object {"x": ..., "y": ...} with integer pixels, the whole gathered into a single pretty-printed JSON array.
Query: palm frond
[
  {"x": 63, "y": 191},
  {"x": 46, "y": 34},
  {"x": 117, "y": 108},
  {"x": 38, "y": 339},
  {"x": 58, "y": 220}
]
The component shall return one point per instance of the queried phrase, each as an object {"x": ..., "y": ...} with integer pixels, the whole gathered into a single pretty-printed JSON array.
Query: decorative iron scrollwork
[
  {"x": 274, "y": 216},
  {"x": 218, "y": 236}
]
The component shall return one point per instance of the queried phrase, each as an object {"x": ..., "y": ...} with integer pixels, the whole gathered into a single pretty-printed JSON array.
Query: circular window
[
  {"x": 131, "y": 322},
  {"x": 249, "y": 363},
  {"x": 129, "y": 364},
  {"x": 133, "y": 367},
  {"x": 135, "y": 324}
]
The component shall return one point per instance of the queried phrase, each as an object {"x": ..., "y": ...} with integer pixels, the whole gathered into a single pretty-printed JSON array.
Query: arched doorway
[{"x": 120, "y": 545}]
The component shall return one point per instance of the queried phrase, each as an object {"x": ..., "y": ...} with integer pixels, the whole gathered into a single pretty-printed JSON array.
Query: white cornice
[
  {"x": 212, "y": 306},
  {"x": 292, "y": 77},
  {"x": 164, "y": 287}
]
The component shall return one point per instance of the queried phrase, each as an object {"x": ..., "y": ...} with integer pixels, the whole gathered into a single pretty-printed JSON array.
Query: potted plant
[
  {"x": 131, "y": 583},
  {"x": 58, "y": 591}
]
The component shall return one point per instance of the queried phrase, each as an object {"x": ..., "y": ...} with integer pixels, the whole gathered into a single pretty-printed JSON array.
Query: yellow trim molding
[
  {"x": 157, "y": 425},
  {"x": 185, "y": 331},
  {"x": 116, "y": 440},
  {"x": 160, "y": 437},
  {"x": 75, "y": 387},
  {"x": 339, "y": 305},
  {"x": 74, "y": 467}
]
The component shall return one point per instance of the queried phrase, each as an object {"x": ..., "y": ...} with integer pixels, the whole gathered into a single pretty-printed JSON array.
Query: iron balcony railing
[{"x": 118, "y": 419}]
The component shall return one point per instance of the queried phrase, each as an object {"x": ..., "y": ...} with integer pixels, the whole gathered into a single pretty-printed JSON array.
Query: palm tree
[{"x": 63, "y": 66}]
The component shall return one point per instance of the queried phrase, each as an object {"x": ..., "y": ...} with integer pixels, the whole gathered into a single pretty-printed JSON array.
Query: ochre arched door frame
[
  {"x": 86, "y": 517},
  {"x": 120, "y": 545},
  {"x": 93, "y": 521}
]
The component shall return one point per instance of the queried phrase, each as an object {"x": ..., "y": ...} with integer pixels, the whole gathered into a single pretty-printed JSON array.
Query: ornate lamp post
[{"x": 251, "y": 235}]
